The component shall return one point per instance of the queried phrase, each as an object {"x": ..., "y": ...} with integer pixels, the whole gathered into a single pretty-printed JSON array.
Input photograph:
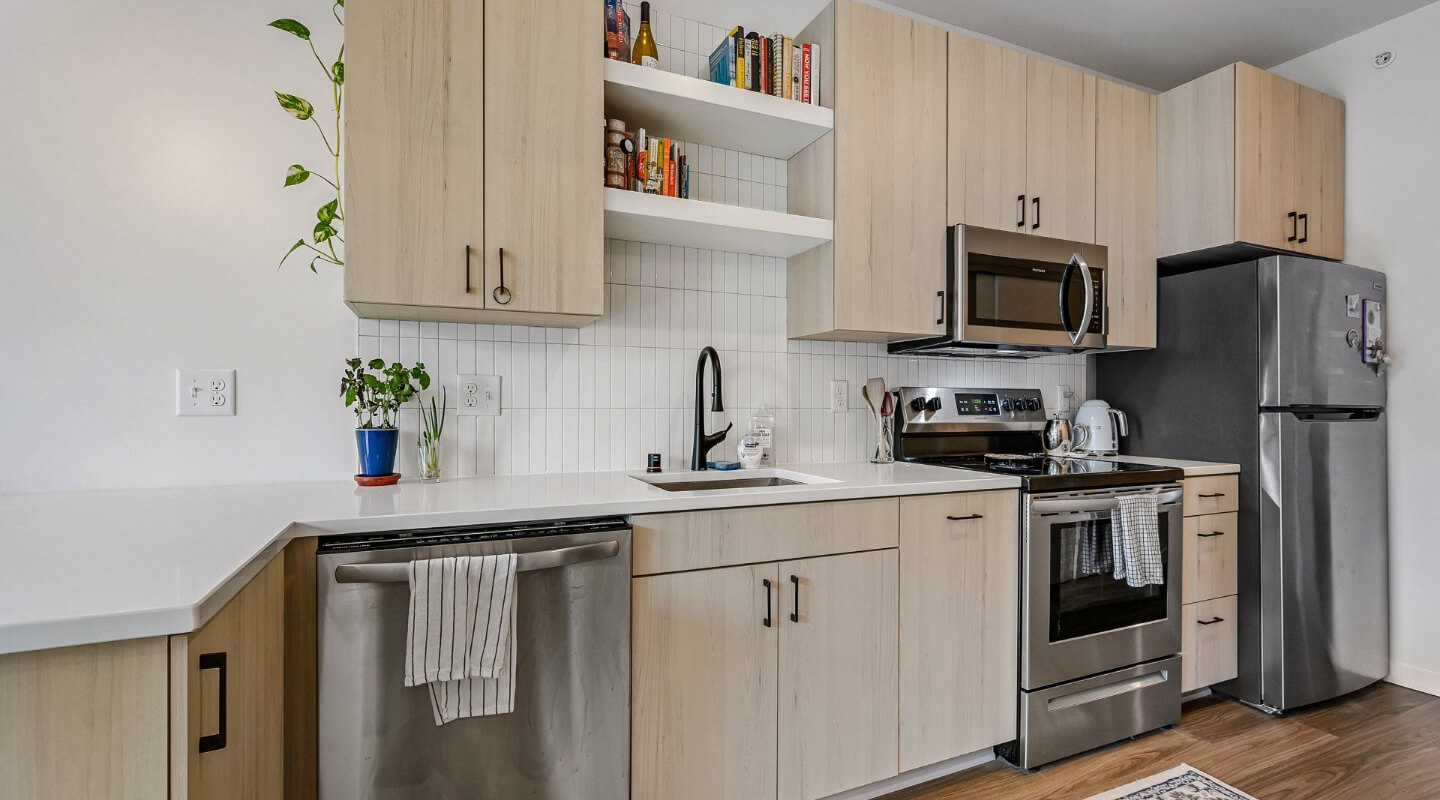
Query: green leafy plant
[
  {"x": 331, "y": 215},
  {"x": 432, "y": 422},
  {"x": 376, "y": 396}
]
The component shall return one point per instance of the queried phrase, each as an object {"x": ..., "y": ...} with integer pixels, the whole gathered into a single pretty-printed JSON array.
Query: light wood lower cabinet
[
  {"x": 1208, "y": 643},
  {"x": 704, "y": 675},
  {"x": 1210, "y": 581},
  {"x": 959, "y": 595},
  {"x": 1210, "y": 557}
]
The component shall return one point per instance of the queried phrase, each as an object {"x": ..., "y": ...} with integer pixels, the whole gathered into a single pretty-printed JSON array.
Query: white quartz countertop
[
  {"x": 81, "y": 568},
  {"x": 1193, "y": 469}
]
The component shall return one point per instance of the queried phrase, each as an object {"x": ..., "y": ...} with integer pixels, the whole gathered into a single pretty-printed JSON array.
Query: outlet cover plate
[
  {"x": 204, "y": 392},
  {"x": 479, "y": 395},
  {"x": 839, "y": 396}
]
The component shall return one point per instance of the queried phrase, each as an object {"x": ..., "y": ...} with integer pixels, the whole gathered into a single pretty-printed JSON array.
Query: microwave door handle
[
  {"x": 1065, "y": 278},
  {"x": 1088, "y": 316}
]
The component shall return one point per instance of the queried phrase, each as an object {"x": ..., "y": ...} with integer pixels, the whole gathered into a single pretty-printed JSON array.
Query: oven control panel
[{"x": 935, "y": 406}]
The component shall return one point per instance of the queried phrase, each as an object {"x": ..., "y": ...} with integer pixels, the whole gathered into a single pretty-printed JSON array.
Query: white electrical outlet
[
  {"x": 479, "y": 395},
  {"x": 204, "y": 392},
  {"x": 839, "y": 396}
]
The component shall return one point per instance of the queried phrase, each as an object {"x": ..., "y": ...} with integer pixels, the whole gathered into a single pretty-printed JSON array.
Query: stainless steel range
[{"x": 1099, "y": 659}]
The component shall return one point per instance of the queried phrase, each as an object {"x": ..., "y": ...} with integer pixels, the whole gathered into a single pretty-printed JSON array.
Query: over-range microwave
[{"x": 1016, "y": 295}]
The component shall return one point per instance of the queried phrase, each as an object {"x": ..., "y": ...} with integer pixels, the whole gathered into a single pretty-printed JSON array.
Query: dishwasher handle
[{"x": 399, "y": 572}]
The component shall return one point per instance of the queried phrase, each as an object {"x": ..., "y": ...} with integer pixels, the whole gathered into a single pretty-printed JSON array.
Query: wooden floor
[{"x": 1382, "y": 743}]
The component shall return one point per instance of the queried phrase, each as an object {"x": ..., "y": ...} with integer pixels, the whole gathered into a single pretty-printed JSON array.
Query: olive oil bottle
[{"x": 644, "y": 52}]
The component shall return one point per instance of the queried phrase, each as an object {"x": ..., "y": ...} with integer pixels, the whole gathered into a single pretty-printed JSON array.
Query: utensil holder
[{"x": 884, "y": 447}]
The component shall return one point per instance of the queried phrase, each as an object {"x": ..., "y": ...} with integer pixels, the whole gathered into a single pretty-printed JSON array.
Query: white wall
[{"x": 1392, "y": 209}]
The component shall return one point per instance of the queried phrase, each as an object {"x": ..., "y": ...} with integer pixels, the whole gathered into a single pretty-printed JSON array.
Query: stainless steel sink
[{"x": 721, "y": 483}]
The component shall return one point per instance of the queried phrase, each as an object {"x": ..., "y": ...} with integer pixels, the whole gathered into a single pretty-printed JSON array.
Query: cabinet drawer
[
  {"x": 1215, "y": 494},
  {"x": 1208, "y": 643},
  {"x": 725, "y": 537},
  {"x": 1209, "y": 557}
]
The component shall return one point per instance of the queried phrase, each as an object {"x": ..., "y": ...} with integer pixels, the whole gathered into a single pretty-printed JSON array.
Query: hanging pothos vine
[{"x": 331, "y": 215}]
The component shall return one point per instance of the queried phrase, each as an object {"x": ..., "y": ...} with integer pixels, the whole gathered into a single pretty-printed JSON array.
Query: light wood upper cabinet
[
  {"x": 469, "y": 128},
  {"x": 1060, "y": 151},
  {"x": 1249, "y": 159},
  {"x": 959, "y": 558},
  {"x": 882, "y": 171},
  {"x": 838, "y": 673},
  {"x": 704, "y": 684},
  {"x": 227, "y": 709},
  {"x": 1125, "y": 211},
  {"x": 987, "y": 142}
]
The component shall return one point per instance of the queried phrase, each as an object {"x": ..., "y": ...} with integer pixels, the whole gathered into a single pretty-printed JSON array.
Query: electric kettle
[{"x": 1103, "y": 425}]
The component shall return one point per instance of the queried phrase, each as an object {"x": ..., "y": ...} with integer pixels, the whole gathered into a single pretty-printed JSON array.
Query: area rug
[{"x": 1182, "y": 783}]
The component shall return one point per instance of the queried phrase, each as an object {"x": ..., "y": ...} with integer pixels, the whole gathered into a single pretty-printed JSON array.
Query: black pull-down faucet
[{"x": 704, "y": 441}]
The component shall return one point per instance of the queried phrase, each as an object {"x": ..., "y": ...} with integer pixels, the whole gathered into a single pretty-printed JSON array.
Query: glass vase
[
  {"x": 429, "y": 461},
  {"x": 884, "y": 452}
]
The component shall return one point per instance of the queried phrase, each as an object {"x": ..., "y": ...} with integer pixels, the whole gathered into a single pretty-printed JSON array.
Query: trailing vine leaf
[
  {"x": 291, "y": 26},
  {"x": 299, "y": 243},
  {"x": 337, "y": 73},
  {"x": 323, "y": 231},
  {"x": 296, "y": 174},
  {"x": 326, "y": 213},
  {"x": 297, "y": 107}
]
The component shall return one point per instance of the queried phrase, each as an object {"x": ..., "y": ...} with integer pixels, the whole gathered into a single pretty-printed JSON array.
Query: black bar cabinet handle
[
  {"x": 1294, "y": 226},
  {"x": 1020, "y": 201},
  {"x": 502, "y": 292},
  {"x": 940, "y": 298},
  {"x": 795, "y": 611},
  {"x": 1211, "y": 621},
  {"x": 467, "y": 268},
  {"x": 954, "y": 518},
  {"x": 1211, "y": 495},
  {"x": 1305, "y": 237},
  {"x": 769, "y": 620},
  {"x": 1036, "y": 226},
  {"x": 215, "y": 741},
  {"x": 1212, "y": 533}
]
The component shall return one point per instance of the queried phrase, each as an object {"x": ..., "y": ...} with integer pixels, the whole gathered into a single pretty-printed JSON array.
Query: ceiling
[{"x": 1163, "y": 43}]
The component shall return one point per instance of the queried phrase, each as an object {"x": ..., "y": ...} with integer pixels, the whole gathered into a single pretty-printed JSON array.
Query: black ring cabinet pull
[
  {"x": 215, "y": 741},
  {"x": 954, "y": 518},
  {"x": 1305, "y": 237},
  {"x": 1294, "y": 226},
  {"x": 768, "y": 621},
  {"x": 1021, "y": 202},
  {"x": 1036, "y": 226},
  {"x": 467, "y": 269},
  {"x": 1212, "y": 495},
  {"x": 502, "y": 293},
  {"x": 1212, "y": 533},
  {"x": 1210, "y": 621},
  {"x": 795, "y": 612},
  {"x": 940, "y": 298}
]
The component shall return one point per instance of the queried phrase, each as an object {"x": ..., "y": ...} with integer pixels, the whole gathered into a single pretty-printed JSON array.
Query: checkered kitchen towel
[{"x": 1136, "y": 542}]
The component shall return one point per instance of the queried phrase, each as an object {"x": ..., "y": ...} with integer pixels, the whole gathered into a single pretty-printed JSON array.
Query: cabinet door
[
  {"x": 889, "y": 172},
  {"x": 1207, "y": 643},
  {"x": 703, "y": 677},
  {"x": 414, "y": 129},
  {"x": 1125, "y": 211},
  {"x": 1320, "y": 174},
  {"x": 1266, "y": 114},
  {"x": 838, "y": 673},
  {"x": 987, "y": 135},
  {"x": 959, "y": 618},
  {"x": 544, "y": 156},
  {"x": 1060, "y": 151},
  {"x": 228, "y": 696}
]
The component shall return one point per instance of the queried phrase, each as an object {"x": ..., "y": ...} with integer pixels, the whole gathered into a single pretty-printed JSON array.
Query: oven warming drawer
[{"x": 1081, "y": 715}]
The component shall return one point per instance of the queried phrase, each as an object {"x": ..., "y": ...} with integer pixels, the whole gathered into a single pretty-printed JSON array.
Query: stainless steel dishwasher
[{"x": 569, "y": 735}]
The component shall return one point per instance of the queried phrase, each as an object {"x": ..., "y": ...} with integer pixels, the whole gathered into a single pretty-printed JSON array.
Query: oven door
[
  {"x": 1014, "y": 289},
  {"x": 1077, "y": 619}
]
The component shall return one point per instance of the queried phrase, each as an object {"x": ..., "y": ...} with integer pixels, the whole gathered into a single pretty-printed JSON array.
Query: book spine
[
  {"x": 752, "y": 61},
  {"x": 815, "y": 74},
  {"x": 795, "y": 71},
  {"x": 670, "y": 173},
  {"x": 665, "y": 167},
  {"x": 742, "y": 63},
  {"x": 684, "y": 169},
  {"x": 653, "y": 172},
  {"x": 805, "y": 74},
  {"x": 765, "y": 65},
  {"x": 787, "y": 66},
  {"x": 612, "y": 31},
  {"x": 642, "y": 160},
  {"x": 777, "y": 64}
]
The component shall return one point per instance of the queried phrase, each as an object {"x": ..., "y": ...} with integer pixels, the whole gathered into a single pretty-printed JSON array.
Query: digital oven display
[{"x": 977, "y": 404}]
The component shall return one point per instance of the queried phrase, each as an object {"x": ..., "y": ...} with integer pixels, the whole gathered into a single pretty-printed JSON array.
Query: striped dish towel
[
  {"x": 1136, "y": 542},
  {"x": 459, "y": 640}
]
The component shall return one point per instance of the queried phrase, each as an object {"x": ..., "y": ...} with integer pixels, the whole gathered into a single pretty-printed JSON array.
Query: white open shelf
[
  {"x": 695, "y": 110},
  {"x": 640, "y": 217}
]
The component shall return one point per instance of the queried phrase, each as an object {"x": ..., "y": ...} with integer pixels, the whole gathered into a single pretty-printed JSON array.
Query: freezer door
[
  {"x": 1312, "y": 334},
  {"x": 1324, "y": 555}
]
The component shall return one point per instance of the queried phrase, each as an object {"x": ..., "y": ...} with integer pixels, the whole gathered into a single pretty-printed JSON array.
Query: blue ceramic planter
[{"x": 377, "y": 450}]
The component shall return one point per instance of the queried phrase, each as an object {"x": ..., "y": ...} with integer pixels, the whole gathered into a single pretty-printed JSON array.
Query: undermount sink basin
[{"x": 716, "y": 481}]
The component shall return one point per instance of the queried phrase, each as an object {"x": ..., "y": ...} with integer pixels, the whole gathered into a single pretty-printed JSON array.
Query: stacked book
[
  {"x": 776, "y": 65},
  {"x": 645, "y": 163}
]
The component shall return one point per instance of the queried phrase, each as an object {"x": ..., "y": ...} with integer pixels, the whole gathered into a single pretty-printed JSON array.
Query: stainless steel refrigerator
[{"x": 1279, "y": 365}]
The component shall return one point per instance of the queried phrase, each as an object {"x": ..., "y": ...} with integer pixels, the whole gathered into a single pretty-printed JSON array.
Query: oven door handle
[
  {"x": 1063, "y": 505},
  {"x": 399, "y": 572}
]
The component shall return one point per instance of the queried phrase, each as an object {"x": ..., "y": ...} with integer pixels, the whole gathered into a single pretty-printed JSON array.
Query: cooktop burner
[{"x": 1042, "y": 473}]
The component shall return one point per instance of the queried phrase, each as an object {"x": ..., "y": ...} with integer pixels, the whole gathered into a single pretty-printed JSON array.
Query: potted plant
[
  {"x": 376, "y": 397},
  {"x": 432, "y": 424}
]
